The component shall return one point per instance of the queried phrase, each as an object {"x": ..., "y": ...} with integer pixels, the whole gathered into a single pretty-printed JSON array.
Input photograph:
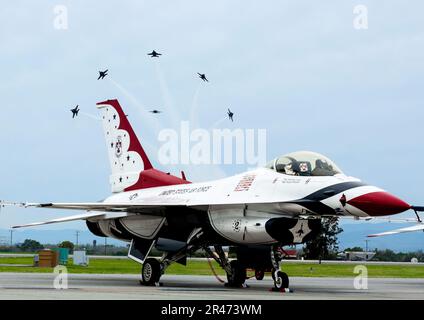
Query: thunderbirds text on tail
[{"x": 256, "y": 212}]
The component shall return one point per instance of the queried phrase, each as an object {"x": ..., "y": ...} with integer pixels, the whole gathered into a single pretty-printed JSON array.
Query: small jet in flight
[
  {"x": 102, "y": 74},
  {"x": 155, "y": 111},
  {"x": 203, "y": 76},
  {"x": 154, "y": 54},
  {"x": 230, "y": 114},
  {"x": 75, "y": 111}
]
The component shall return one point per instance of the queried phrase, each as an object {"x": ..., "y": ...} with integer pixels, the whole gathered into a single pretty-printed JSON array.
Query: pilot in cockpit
[
  {"x": 322, "y": 168},
  {"x": 304, "y": 163},
  {"x": 288, "y": 168}
]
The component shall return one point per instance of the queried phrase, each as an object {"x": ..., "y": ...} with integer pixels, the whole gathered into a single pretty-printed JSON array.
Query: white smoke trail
[
  {"x": 154, "y": 124},
  {"x": 218, "y": 123},
  {"x": 127, "y": 94},
  {"x": 177, "y": 117},
  {"x": 90, "y": 115},
  {"x": 169, "y": 106},
  {"x": 194, "y": 115}
]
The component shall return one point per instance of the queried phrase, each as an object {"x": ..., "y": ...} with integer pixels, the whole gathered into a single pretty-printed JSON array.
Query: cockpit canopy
[{"x": 304, "y": 163}]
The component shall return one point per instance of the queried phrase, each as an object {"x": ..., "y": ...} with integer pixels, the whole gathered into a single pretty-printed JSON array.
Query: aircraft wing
[
  {"x": 96, "y": 210},
  {"x": 418, "y": 227},
  {"x": 84, "y": 216},
  {"x": 107, "y": 207}
]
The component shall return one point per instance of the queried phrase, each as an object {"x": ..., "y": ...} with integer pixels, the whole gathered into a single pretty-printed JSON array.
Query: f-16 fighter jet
[
  {"x": 154, "y": 54},
  {"x": 203, "y": 76},
  {"x": 75, "y": 111},
  {"x": 230, "y": 114},
  {"x": 102, "y": 74},
  {"x": 254, "y": 212}
]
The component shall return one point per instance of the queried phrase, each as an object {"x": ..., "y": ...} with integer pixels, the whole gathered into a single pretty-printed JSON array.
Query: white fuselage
[
  {"x": 264, "y": 189},
  {"x": 239, "y": 206}
]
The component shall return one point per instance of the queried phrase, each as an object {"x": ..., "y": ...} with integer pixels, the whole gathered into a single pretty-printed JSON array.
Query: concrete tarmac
[{"x": 179, "y": 287}]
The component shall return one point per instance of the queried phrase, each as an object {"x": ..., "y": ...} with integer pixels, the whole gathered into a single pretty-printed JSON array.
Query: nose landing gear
[{"x": 281, "y": 279}]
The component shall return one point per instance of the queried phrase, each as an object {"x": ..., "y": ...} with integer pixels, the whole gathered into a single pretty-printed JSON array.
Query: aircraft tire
[
  {"x": 238, "y": 275},
  {"x": 259, "y": 274},
  {"x": 281, "y": 280},
  {"x": 150, "y": 272}
]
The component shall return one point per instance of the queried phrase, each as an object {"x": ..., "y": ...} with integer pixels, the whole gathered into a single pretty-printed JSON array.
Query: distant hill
[{"x": 54, "y": 236}]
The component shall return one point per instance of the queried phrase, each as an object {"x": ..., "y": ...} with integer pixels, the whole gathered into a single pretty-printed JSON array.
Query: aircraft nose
[{"x": 379, "y": 203}]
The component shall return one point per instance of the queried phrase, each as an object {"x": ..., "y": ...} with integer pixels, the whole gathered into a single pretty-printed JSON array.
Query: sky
[{"x": 298, "y": 69}]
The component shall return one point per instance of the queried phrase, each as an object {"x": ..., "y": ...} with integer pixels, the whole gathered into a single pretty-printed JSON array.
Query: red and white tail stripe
[{"x": 131, "y": 168}]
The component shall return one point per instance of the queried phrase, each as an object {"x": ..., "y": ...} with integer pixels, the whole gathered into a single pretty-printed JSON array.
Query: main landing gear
[
  {"x": 237, "y": 276},
  {"x": 236, "y": 273},
  {"x": 151, "y": 272},
  {"x": 281, "y": 279},
  {"x": 153, "y": 269}
]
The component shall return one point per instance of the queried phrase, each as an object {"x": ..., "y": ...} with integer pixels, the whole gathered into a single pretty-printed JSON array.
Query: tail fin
[{"x": 131, "y": 168}]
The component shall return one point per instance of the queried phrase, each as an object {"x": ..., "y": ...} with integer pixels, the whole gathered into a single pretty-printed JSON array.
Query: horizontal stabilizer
[{"x": 418, "y": 227}]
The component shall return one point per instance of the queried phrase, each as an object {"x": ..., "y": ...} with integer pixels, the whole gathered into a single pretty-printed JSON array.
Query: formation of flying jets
[{"x": 153, "y": 54}]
